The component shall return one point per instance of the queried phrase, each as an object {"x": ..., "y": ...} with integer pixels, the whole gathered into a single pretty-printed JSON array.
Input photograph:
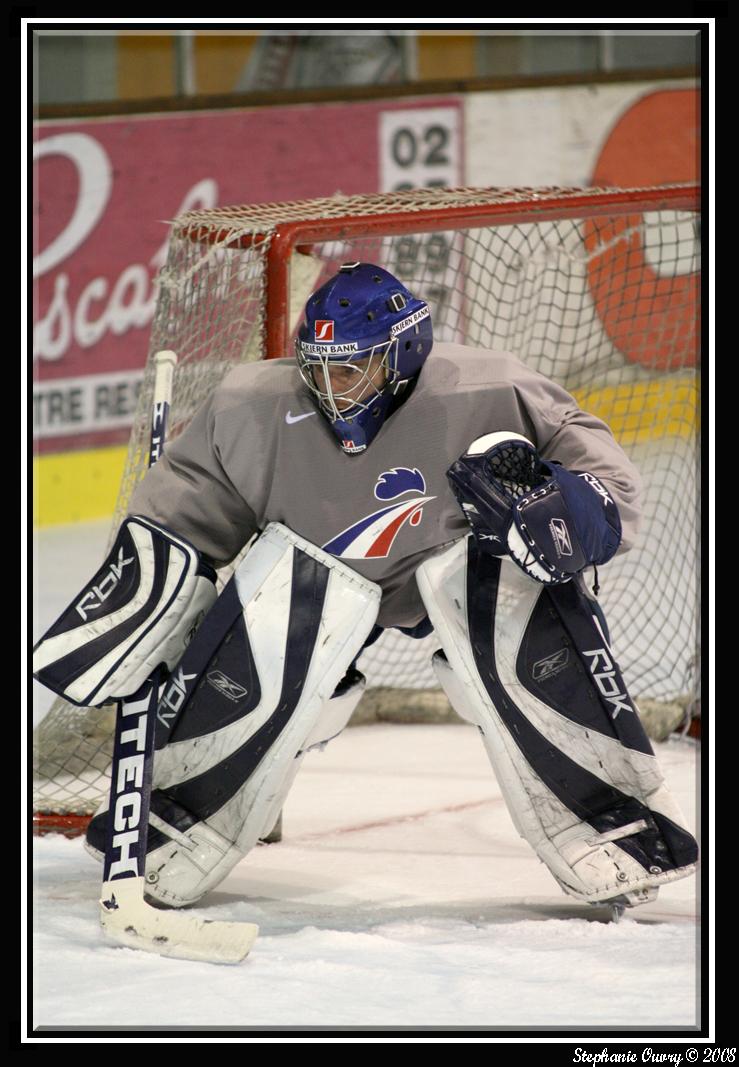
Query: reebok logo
[
  {"x": 324, "y": 330},
  {"x": 595, "y": 484},
  {"x": 545, "y": 669},
  {"x": 226, "y": 686},
  {"x": 174, "y": 697},
  {"x": 561, "y": 537},
  {"x": 95, "y": 598},
  {"x": 603, "y": 670}
]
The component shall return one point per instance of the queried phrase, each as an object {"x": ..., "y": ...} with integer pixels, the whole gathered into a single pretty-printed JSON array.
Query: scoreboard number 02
[{"x": 421, "y": 147}]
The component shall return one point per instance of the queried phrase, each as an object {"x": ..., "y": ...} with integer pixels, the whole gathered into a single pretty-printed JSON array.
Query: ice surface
[{"x": 399, "y": 896}]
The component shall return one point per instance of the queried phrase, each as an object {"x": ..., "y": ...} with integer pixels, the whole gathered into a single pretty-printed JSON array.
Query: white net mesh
[{"x": 603, "y": 300}]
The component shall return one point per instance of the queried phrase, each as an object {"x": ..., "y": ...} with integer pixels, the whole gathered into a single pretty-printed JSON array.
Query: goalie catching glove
[
  {"x": 551, "y": 521},
  {"x": 139, "y": 611}
]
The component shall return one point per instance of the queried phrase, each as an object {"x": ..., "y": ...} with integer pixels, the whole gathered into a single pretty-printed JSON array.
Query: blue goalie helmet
[{"x": 363, "y": 339}]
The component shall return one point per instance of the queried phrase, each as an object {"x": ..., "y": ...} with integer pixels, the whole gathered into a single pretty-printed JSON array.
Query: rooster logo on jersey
[{"x": 373, "y": 536}]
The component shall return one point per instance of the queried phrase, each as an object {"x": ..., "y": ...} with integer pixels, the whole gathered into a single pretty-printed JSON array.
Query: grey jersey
[{"x": 258, "y": 451}]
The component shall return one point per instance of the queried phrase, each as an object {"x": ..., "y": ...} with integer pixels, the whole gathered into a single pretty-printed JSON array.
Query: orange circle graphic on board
[{"x": 652, "y": 318}]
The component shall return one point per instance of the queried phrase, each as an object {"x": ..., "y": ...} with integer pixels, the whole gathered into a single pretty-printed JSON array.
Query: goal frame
[
  {"x": 296, "y": 226},
  {"x": 299, "y": 234}
]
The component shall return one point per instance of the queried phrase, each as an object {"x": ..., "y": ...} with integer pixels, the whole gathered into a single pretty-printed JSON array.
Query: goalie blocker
[
  {"x": 265, "y": 679},
  {"x": 531, "y": 667},
  {"x": 138, "y": 612}
]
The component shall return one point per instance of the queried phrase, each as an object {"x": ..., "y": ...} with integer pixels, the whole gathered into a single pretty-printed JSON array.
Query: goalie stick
[{"x": 124, "y": 914}]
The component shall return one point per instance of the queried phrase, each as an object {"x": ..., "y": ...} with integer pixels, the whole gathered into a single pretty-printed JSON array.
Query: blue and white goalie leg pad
[
  {"x": 530, "y": 666},
  {"x": 252, "y": 693}
]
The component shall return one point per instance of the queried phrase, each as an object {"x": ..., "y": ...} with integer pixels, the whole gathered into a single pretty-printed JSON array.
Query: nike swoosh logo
[{"x": 290, "y": 419}]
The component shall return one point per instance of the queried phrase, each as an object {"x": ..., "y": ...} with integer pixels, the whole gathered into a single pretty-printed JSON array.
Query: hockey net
[{"x": 598, "y": 289}]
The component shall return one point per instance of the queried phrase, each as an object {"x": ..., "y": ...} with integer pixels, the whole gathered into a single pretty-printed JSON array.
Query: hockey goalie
[{"x": 384, "y": 481}]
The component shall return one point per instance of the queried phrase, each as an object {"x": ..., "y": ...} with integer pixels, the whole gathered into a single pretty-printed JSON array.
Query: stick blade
[{"x": 128, "y": 919}]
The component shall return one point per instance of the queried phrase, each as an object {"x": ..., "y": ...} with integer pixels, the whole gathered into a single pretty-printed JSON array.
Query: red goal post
[
  {"x": 298, "y": 225},
  {"x": 597, "y": 288}
]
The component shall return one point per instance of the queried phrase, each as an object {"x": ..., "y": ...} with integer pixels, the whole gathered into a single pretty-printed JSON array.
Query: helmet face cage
[{"x": 359, "y": 387}]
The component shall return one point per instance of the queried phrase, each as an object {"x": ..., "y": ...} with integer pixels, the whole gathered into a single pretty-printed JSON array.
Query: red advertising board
[{"x": 105, "y": 191}]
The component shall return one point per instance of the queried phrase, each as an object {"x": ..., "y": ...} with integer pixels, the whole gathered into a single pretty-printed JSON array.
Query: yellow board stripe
[
  {"x": 646, "y": 410},
  {"x": 75, "y": 486}
]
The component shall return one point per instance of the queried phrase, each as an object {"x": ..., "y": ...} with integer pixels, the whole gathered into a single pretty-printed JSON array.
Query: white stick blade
[{"x": 128, "y": 919}]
